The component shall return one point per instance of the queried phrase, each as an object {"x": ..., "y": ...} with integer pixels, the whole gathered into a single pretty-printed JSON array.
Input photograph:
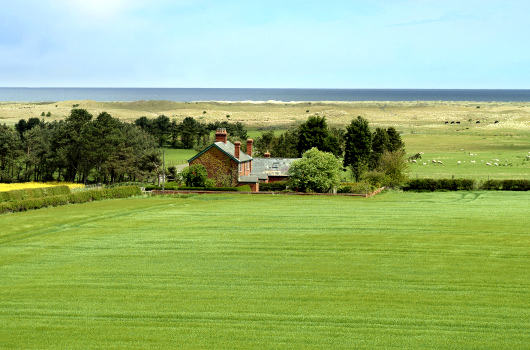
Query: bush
[
  {"x": 273, "y": 186},
  {"x": 17, "y": 195},
  {"x": 245, "y": 188},
  {"x": 439, "y": 184},
  {"x": 195, "y": 175},
  {"x": 506, "y": 185},
  {"x": 374, "y": 178},
  {"x": 356, "y": 188},
  {"x": 77, "y": 197}
]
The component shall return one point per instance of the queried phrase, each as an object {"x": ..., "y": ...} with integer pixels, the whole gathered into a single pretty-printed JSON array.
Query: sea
[{"x": 18, "y": 94}]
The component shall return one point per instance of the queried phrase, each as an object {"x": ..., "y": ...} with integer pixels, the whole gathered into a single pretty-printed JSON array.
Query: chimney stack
[
  {"x": 249, "y": 147},
  {"x": 220, "y": 135},
  {"x": 267, "y": 155},
  {"x": 237, "y": 150}
]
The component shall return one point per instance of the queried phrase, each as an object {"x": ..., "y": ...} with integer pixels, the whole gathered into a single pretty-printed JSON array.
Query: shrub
[
  {"x": 356, "y": 188},
  {"x": 506, "y": 185},
  {"x": 195, "y": 175},
  {"x": 439, "y": 184},
  {"x": 77, "y": 197},
  {"x": 273, "y": 186},
  {"x": 17, "y": 195}
]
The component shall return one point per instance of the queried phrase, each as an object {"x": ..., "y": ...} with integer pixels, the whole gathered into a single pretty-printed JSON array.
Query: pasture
[{"x": 227, "y": 271}]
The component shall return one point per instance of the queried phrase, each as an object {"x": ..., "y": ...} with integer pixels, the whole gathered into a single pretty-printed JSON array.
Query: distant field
[{"x": 404, "y": 270}]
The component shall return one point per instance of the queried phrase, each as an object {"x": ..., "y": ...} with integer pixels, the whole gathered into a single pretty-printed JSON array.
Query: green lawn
[{"x": 404, "y": 270}]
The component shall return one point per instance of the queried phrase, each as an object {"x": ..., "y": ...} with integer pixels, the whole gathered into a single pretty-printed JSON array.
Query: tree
[
  {"x": 315, "y": 133},
  {"x": 357, "y": 146},
  {"x": 394, "y": 140},
  {"x": 317, "y": 171},
  {"x": 380, "y": 144},
  {"x": 195, "y": 175},
  {"x": 395, "y": 166}
]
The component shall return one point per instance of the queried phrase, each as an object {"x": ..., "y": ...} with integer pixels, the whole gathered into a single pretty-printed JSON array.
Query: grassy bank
[{"x": 430, "y": 270}]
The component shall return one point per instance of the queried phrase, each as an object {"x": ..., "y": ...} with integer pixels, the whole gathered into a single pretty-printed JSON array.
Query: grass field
[{"x": 403, "y": 270}]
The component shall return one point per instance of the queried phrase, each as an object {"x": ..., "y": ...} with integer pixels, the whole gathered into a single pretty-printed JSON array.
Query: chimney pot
[
  {"x": 220, "y": 135},
  {"x": 249, "y": 146},
  {"x": 267, "y": 155}
]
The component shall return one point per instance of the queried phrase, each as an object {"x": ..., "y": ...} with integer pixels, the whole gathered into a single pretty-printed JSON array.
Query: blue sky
[{"x": 265, "y": 44}]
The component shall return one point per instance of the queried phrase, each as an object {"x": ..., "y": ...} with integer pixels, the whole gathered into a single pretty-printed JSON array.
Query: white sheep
[
  {"x": 458, "y": 162},
  {"x": 488, "y": 163},
  {"x": 439, "y": 162},
  {"x": 424, "y": 163},
  {"x": 496, "y": 164},
  {"x": 472, "y": 161},
  {"x": 414, "y": 161}
]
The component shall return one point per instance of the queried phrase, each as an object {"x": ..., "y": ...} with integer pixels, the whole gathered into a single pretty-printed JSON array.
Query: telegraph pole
[{"x": 163, "y": 171}]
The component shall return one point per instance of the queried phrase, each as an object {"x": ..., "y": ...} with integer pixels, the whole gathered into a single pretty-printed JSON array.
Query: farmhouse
[{"x": 229, "y": 166}]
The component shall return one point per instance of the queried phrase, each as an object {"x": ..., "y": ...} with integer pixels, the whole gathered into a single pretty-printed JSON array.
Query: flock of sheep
[{"x": 494, "y": 162}]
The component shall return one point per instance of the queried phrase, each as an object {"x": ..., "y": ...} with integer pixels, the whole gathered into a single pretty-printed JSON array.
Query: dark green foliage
[
  {"x": 78, "y": 149},
  {"x": 439, "y": 184},
  {"x": 506, "y": 185},
  {"x": 357, "y": 146},
  {"x": 380, "y": 144},
  {"x": 394, "y": 140},
  {"x": 245, "y": 188},
  {"x": 71, "y": 198},
  {"x": 315, "y": 133},
  {"x": 195, "y": 175},
  {"x": 17, "y": 195},
  {"x": 273, "y": 186},
  {"x": 283, "y": 146}
]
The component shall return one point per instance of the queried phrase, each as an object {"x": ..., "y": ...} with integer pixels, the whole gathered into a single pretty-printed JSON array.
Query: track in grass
[{"x": 434, "y": 270}]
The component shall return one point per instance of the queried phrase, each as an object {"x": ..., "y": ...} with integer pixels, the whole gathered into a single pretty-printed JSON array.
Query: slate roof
[
  {"x": 264, "y": 167},
  {"x": 227, "y": 148}
]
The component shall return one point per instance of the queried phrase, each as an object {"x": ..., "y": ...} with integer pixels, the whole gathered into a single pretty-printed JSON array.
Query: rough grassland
[{"x": 434, "y": 270}]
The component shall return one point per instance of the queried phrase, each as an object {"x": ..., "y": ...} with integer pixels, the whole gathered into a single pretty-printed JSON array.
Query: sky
[{"x": 422, "y": 44}]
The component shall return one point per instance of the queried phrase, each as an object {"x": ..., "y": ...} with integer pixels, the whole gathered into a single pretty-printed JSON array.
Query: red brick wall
[
  {"x": 219, "y": 166},
  {"x": 277, "y": 178}
]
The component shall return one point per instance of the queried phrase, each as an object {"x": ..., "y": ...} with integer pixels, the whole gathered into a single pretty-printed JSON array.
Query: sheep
[
  {"x": 439, "y": 162},
  {"x": 488, "y": 163},
  {"x": 424, "y": 163},
  {"x": 472, "y": 161},
  {"x": 496, "y": 164},
  {"x": 458, "y": 163},
  {"x": 414, "y": 161},
  {"x": 434, "y": 160}
]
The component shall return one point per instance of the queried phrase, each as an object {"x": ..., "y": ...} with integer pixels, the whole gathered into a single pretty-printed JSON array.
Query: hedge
[
  {"x": 27, "y": 193},
  {"x": 439, "y": 184},
  {"x": 245, "y": 188},
  {"x": 76, "y": 197},
  {"x": 506, "y": 185},
  {"x": 356, "y": 188},
  {"x": 273, "y": 186}
]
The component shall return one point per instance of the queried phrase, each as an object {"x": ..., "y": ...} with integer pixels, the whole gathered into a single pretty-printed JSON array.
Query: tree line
[
  {"x": 77, "y": 149},
  {"x": 189, "y": 133}
]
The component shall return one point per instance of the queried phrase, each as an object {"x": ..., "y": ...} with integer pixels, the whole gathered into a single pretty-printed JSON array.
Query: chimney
[
  {"x": 249, "y": 147},
  {"x": 220, "y": 135},
  {"x": 238, "y": 147},
  {"x": 267, "y": 155}
]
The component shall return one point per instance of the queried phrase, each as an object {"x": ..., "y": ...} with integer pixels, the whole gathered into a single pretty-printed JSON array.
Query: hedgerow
[
  {"x": 245, "y": 188},
  {"x": 30, "y": 193},
  {"x": 506, "y": 185},
  {"x": 439, "y": 184},
  {"x": 70, "y": 198},
  {"x": 273, "y": 186}
]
